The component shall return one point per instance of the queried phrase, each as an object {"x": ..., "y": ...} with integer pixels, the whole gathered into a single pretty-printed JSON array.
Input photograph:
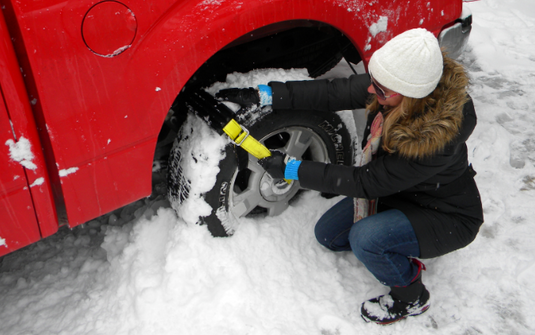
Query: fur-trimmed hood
[{"x": 429, "y": 124}]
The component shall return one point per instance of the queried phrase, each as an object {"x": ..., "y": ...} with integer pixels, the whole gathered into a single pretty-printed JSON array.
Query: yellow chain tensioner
[{"x": 240, "y": 136}]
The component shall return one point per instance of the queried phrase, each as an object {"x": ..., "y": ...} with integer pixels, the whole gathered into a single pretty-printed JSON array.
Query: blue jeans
[{"x": 383, "y": 242}]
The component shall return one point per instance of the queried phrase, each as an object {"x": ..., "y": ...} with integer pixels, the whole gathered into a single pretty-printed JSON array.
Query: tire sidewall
[{"x": 327, "y": 125}]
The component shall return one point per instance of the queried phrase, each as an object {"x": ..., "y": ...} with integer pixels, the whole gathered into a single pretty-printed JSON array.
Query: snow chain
[{"x": 220, "y": 118}]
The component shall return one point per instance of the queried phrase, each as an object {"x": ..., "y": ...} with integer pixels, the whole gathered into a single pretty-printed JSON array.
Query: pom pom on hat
[{"x": 410, "y": 64}]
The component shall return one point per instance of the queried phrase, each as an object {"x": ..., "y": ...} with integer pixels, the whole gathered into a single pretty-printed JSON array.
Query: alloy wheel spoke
[
  {"x": 245, "y": 202},
  {"x": 254, "y": 166},
  {"x": 300, "y": 141}
]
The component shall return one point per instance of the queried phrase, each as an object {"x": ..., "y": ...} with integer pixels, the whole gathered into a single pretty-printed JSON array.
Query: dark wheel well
[{"x": 297, "y": 44}]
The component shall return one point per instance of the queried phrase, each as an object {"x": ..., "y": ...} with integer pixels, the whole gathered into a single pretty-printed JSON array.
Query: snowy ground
[{"x": 140, "y": 270}]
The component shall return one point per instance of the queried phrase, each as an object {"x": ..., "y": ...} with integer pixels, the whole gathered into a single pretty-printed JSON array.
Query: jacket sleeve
[
  {"x": 384, "y": 176},
  {"x": 324, "y": 95}
]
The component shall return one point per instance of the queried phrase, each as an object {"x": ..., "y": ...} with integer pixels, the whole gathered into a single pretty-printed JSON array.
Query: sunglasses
[{"x": 380, "y": 91}]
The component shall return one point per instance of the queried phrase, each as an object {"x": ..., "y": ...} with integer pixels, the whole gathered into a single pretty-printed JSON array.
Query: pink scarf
[{"x": 365, "y": 207}]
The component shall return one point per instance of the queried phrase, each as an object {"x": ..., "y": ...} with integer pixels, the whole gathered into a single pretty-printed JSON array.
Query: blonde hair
[{"x": 403, "y": 124}]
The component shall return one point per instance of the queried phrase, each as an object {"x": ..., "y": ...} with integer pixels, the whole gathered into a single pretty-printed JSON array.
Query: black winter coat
[{"x": 438, "y": 193}]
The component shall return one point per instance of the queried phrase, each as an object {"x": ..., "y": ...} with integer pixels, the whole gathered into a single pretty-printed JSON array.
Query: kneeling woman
[{"x": 415, "y": 168}]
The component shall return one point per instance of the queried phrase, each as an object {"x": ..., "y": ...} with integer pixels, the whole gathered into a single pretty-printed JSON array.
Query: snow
[
  {"x": 117, "y": 52},
  {"x": 205, "y": 163},
  {"x": 142, "y": 270},
  {"x": 21, "y": 152},
  {"x": 38, "y": 181},
  {"x": 66, "y": 172},
  {"x": 380, "y": 26}
]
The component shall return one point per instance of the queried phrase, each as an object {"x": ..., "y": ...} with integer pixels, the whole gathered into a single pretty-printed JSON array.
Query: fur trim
[{"x": 429, "y": 124}]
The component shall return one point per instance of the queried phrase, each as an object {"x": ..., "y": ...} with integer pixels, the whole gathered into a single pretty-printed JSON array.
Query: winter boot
[{"x": 400, "y": 303}]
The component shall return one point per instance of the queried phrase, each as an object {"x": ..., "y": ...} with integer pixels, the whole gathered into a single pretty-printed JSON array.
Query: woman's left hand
[{"x": 275, "y": 164}]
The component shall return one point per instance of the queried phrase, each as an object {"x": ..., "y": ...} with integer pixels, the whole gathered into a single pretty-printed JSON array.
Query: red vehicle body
[{"x": 88, "y": 84}]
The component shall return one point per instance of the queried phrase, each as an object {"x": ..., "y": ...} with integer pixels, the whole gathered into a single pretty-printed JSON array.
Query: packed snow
[
  {"x": 141, "y": 270},
  {"x": 66, "y": 172},
  {"x": 380, "y": 26},
  {"x": 21, "y": 152}
]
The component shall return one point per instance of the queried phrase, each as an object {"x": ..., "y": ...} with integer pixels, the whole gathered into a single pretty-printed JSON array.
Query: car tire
[{"x": 242, "y": 188}]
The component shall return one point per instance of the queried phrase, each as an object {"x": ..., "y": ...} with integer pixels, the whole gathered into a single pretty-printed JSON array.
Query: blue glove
[{"x": 266, "y": 95}]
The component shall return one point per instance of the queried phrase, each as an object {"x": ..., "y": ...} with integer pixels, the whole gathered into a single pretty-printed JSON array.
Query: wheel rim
[{"x": 253, "y": 191}]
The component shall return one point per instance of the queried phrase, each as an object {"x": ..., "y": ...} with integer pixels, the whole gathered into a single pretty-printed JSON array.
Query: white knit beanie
[{"x": 410, "y": 63}]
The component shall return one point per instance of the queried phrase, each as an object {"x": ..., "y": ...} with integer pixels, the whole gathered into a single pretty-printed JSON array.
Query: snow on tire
[{"x": 217, "y": 187}]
